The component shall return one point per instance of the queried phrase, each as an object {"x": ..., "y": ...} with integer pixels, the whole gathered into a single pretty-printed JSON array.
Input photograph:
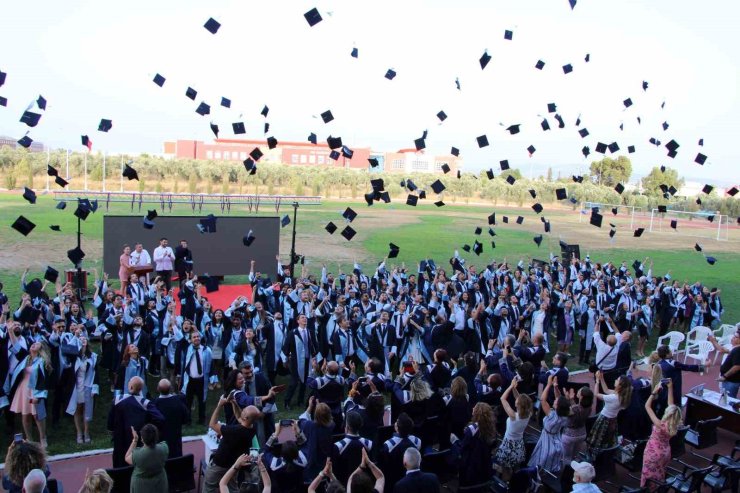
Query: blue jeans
[{"x": 731, "y": 388}]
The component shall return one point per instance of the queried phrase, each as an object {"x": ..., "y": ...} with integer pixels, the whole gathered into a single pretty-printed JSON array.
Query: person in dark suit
[
  {"x": 183, "y": 260},
  {"x": 300, "y": 347},
  {"x": 624, "y": 353},
  {"x": 131, "y": 411},
  {"x": 674, "y": 369},
  {"x": 176, "y": 414},
  {"x": 346, "y": 454},
  {"x": 416, "y": 481}
]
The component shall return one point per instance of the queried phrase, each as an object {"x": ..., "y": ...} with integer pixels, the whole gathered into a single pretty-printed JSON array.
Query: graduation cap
[
  {"x": 662, "y": 208},
  {"x": 377, "y": 184},
  {"x": 587, "y": 58},
  {"x": 596, "y": 219},
  {"x": 256, "y": 154},
  {"x": 492, "y": 219},
  {"x": 23, "y": 225},
  {"x": 191, "y": 93},
  {"x": 55, "y": 227},
  {"x": 211, "y": 283},
  {"x": 489, "y": 174},
  {"x": 613, "y": 147},
  {"x": 445, "y": 168},
  {"x": 130, "y": 173},
  {"x": 25, "y": 141},
  {"x": 212, "y": 25},
  {"x": 665, "y": 125},
  {"x": 615, "y": 210},
  {"x": 707, "y": 189},
  {"x": 583, "y": 133},
  {"x": 2, "y": 77},
  {"x": 159, "y": 80},
  {"x": 545, "y": 125},
  {"x": 29, "y": 195},
  {"x": 374, "y": 162},
  {"x": 51, "y": 170},
  {"x": 561, "y": 123},
  {"x": 700, "y": 159},
  {"x": 504, "y": 164},
  {"x": 51, "y": 274},
  {"x": 578, "y": 178},
  {"x": 478, "y": 230},
  {"x": 326, "y": 116},
  {"x": 313, "y": 17},
  {"x": 334, "y": 142},
  {"x": 420, "y": 144},
  {"x": 510, "y": 179},
  {"x": 531, "y": 150},
  {"x": 732, "y": 192},
  {"x": 505, "y": 219},
  {"x": 266, "y": 127},
  {"x": 349, "y": 214},
  {"x": 272, "y": 143},
  {"x": 284, "y": 221},
  {"x": 61, "y": 205},
  {"x": 30, "y": 118},
  {"x": 238, "y": 128},
  {"x": 41, "y": 102},
  {"x": 75, "y": 255},
  {"x": 455, "y": 151},
  {"x": 533, "y": 193},
  {"x": 710, "y": 218},
  {"x": 538, "y": 239},
  {"x": 369, "y": 198},
  {"x": 520, "y": 219},
  {"x": 672, "y": 146},
  {"x": 482, "y": 141},
  {"x": 508, "y": 35},
  {"x": 697, "y": 247},
  {"x": 547, "y": 226},
  {"x": 491, "y": 232},
  {"x": 568, "y": 68},
  {"x": 151, "y": 214},
  {"x": 348, "y": 233},
  {"x": 438, "y": 187},
  {"x": 537, "y": 208},
  {"x": 3, "y": 101},
  {"x": 248, "y": 239},
  {"x": 630, "y": 149},
  {"x": 466, "y": 248},
  {"x": 412, "y": 200},
  {"x": 225, "y": 102},
  {"x": 331, "y": 228},
  {"x": 334, "y": 155},
  {"x": 442, "y": 116},
  {"x": 612, "y": 232},
  {"x": 552, "y": 107},
  {"x": 105, "y": 125},
  {"x": 477, "y": 247},
  {"x": 87, "y": 142},
  {"x": 312, "y": 138},
  {"x": 674, "y": 223},
  {"x": 561, "y": 193},
  {"x": 61, "y": 181},
  {"x": 394, "y": 249},
  {"x": 484, "y": 60},
  {"x": 390, "y": 74},
  {"x": 203, "y": 109},
  {"x": 355, "y": 53},
  {"x": 585, "y": 151},
  {"x": 439, "y": 203},
  {"x": 627, "y": 103},
  {"x": 619, "y": 188},
  {"x": 601, "y": 148},
  {"x": 539, "y": 65},
  {"x": 513, "y": 129},
  {"x": 208, "y": 224}
]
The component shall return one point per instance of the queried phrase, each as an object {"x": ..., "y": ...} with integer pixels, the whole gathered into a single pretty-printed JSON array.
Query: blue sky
[{"x": 93, "y": 59}]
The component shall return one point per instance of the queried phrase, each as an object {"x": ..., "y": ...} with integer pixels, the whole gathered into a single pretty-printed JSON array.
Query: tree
[
  {"x": 609, "y": 172},
  {"x": 652, "y": 182}
]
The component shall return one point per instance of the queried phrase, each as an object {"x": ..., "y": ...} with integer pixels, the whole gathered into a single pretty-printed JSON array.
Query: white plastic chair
[
  {"x": 672, "y": 339},
  {"x": 694, "y": 336},
  {"x": 724, "y": 335},
  {"x": 699, "y": 351}
]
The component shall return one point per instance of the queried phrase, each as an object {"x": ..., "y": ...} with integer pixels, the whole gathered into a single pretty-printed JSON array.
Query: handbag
[{"x": 594, "y": 367}]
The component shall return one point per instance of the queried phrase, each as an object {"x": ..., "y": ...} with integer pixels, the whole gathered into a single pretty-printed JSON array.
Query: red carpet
[{"x": 226, "y": 294}]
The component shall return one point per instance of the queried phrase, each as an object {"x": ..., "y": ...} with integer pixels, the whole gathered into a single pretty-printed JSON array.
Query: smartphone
[
  {"x": 18, "y": 438},
  {"x": 280, "y": 388},
  {"x": 408, "y": 367},
  {"x": 286, "y": 422},
  {"x": 255, "y": 453},
  {"x": 665, "y": 381}
]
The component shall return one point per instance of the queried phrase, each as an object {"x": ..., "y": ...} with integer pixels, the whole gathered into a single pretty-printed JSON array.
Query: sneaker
[
  {"x": 79, "y": 439},
  {"x": 88, "y": 439}
]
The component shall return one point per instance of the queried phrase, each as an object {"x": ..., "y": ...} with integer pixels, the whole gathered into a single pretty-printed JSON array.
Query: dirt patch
[{"x": 36, "y": 254}]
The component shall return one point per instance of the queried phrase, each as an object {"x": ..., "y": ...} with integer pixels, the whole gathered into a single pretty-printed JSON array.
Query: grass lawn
[{"x": 423, "y": 231}]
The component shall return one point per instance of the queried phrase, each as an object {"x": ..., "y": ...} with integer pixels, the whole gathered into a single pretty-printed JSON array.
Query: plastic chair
[
  {"x": 177, "y": 470},
  {"x": 121, "y": 477},
  {"x": 699, "y": 351},
  {"x": 723, "y": 336},
  {"x": 634, "y": 462},
  {"x": 672, "y": 339},
  {"x": 689, "y": 481},
  {"x": 696, "y": 335},
  {"x": 704, "y": 434},
  {"x": 678, "y": 442}
]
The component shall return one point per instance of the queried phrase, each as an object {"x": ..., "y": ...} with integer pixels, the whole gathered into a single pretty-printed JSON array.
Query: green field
[{"x": 423, "y": 231}]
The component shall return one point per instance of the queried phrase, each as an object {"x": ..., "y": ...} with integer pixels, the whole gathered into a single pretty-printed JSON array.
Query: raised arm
[
  {"x": 505, "y": 399},
  {"x": 543, "y": 396},
  {"x": 649, "y": 404}
]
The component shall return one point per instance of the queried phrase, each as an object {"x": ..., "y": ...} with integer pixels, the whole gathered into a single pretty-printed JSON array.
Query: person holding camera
[
  {"x": 283, "y": 457},
  {"x": 246, "y": 461}
]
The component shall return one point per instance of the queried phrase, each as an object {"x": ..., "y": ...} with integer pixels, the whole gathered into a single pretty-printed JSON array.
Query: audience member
[
  {"x": 548, "y": 453},
  {"x": 583, "y": 474},
  {"x": 511, "y": 454},
  {"x": 416, "y": 481},
  {"x": 22, "y": 458},
  {"x": 604, "y": 432},
  {"x": 97, "y": 482},
  {"x": 176, "y": 414},
  {"x": 246, "y": 461},
  {"x": 475, "y": 449},
  {"x": 148, "y": 461},
  {"x": 658, "y": 449}
]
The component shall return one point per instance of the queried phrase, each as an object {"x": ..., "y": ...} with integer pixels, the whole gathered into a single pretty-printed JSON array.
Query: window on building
[
  {"x": 294, "y": 158},
  {"x": 397, "y": 164},
  {"x": 438, "y": 165},
  {"x": 227, "y": 155},
  {"x": 218, "y": 155},
  {"x": 417, "y": 165},
  {"x": 209, "y": 154},
  {"x": 304, "y": 159},
  {"x": 312, "y": 159}
]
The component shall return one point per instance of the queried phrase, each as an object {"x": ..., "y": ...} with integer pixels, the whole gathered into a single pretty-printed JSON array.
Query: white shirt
[
  {"x": 194, "y": 363},
  {"x": 611, "y": 406},
  {"x": 140, "y": 258},
  {"x": 161, "y": 259},
  {"x": 604, "y": 361}
]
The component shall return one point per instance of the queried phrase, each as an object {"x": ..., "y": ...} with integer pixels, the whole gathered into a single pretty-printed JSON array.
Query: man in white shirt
[
  {"x": 606, "y": 353},
  {"x": 164, "y": 259},
  {"x": 141, "y": 258}
]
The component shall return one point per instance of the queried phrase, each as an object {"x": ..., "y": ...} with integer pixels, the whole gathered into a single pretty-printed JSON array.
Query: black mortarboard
[
  {"x": 612, "y": 232},
  {"x": 672, "y": 146},
  {"x": 455, "y": 151},
  {"x": 531, "y": 149},
  {"x": 51, "y": 274},
  {"x": 312, "y": 138},
  {"x": 313, "y": 17},
  {"x": 545, "y": 125},
  {"x": 212, "y": 25},
  {"x": 331, "y": 228},
  {"x": 697, "y": 247},
  {"x": 438, "y": 186},
  {"x": 272, "y": 143},
  {"x": 510, "y": 179},
  {"x": 41, "y": 102},
  {"x": 225, "y": 102},
  {"x": 51, "y": 170},
  {"x": 504, "y": 164},
  {"x": 700, "y": 159},
  {"x": 477, "y": 247},
  {"x": 159, "y": 80},
  {"x": 491, "y": 232},
  {"x": 482, "y": 141},
  {"x": 55, "y": 227},
  {"x": 265, "y": 111},
  {"x": 411, "y": 185},
  {"x": 533, "y": 193},
  {"x": 484, "y": 60},
  {"x": 585, "y": 151},
  {"x": 256, "y": 154},
  {"x": 583, "y": 132},
  {"x": 390, "y": 74},
  {"x": 439, "y": 203},
  {"x": 334, "y": 155},
  {"x": 587, "y": 58},
  {"x": 665, "y": 125},
  {"x": 513, "y": 129},
  {"x": 191, "y": 93},
  {"x": 613, "y": 147},
  {"x": 701, "y": 142},
  {"x": 23, "y": 225},
  {"x": 492, "y": 219},
  {"x": 151, "y": 214},
  {"x": 567, "y": 68},
  {"x": 25, "y": 141},
  {"x": 349, "y": 214},
  {"x": 442, "y": 116},
  {"x": 615, "y": 210},
  {"x": 561, "y": 193},
  {"x": 30, "y": 118},
  {"x": 334, "y": 142},
  {"x": 61, "y": 205},
  {"x": 2, "y": 77},
  {"x": 29, "y": 195},
  {"x": 630, "y": 149},
  {"x": 505, "y": 219},
  {"x": 445, "y": 168},
  {"x": 552, "y": 107},
  {"x": 412, "y": 200},
  {"x": 698, "y": 201},
  {"x": 710, "y": 218},
  {"x": 520, "y": 219},
  {"x": 420, "y": 144},
  {"x": 466, "y": 248},
  {"x": 266, "y": 128},
  {"x": 105, "y": 125},
  {"x": 327, "y": 116},
  {"x": 3, "y": 101},
  {"x": 619, "y": 188},
  {"x": 578, "y": 178},
  {"x": 130, "y": 173},
  {"x": 539, "y": 65},
  {"x": 203, "y": 109},
  {"x": 148, "y": 223},
  {"x": 355, "y": 53},
  {"x": 621, "y": 126},
  {"x": 208, "y": 224},
  {"x": 711, "y": 260},
  {"x": 348, "y": 233},
  {"x": 284, "y": 221},
  {"x": 537, "y": 208},
  {"x": 75, "y": 255},
  {"x": 249, "y": 164},
  {"x": 238, "y": 128},
  {"x": 61, "y": 181},
  {"x": 373, "y": 162},
  {"x": 662, "y": 208},
  {"x": 707, "y": 189},
  {"x": 489, "y": 174},
  {"x": 662, "y": 169},
  {"x": 394, "y": 249},
  {"x": 674, "y": 223},
  {"x": 538, "y": 239},
  {"x": 563, "y": 244},
  {"x": 377, "y": 184},
  {"x": 627, "y": 103},
  {"x": 369, "y": 197},
  {"x": 561, "y": 123},
  {"x": 547, "y": 226},
  {"x": 508, "y": 35},
  {"x": 732, "y": 192},
  {"x": 596, "y": 219},
  {"x": 248, "y": 239},
  {"x": 478, "y": 230}
]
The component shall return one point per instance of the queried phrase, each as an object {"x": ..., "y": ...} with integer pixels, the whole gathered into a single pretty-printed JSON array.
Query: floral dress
[{"x": 657, "y": 454}]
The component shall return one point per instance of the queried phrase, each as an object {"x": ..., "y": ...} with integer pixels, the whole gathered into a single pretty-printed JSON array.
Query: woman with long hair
[
  {"x": 476, "y": 446},
  {"x": 548, "y": 453},
  {"x": 85, "y": 387},
  {"x": 124, "y": 268},
  {"x": 234, "y": 384},
  {"x": 26, "y": 389},
  {"x": 97, "y": 481},
  {"x": 658, "y": 449},
  {"x": 457, "y": 411},
  {"x": 22, "y": 458},
  {"x": 511, "y": 453},
  {"x": 574, "y": 432},
  {"x": 148, "y": 461},
  {"x": 132, "y": 365},
  {"x": 317, "y": 425},
  {"x": 604, "y": 432}
]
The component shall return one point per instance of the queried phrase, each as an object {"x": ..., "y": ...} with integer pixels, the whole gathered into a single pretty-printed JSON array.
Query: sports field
[{"x": 422, "y": 231}]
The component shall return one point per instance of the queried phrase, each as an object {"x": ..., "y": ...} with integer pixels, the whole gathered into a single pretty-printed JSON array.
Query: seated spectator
[
  {"x": 729, "y": 369},
  {"x": 511, "y": 454},
  {"x": 22, "y": 458},
  {"x": 148, "y": 461},
  {"x": 412, "y": 395},
  {"x": 574, "y": 432},
  {"x": 457, "y": 407},
  {"x": 97, "y": 482},
  {"x": 391, "y": 455},
  {"x": 658, "y": 449},
  {"x": 416, "y": 481},
  {"x": 548, "y": 452},
  {"x": 318, "y": 432},
  {"x": 361, "y": 481},
  {"x": 583, "y": 474},
  {"x": 35, "y": 482},
  {"x": 346, "y": 455},
  {"x": 327, "y": 475},
  {"x": 476, "y": 447},
  {"x": 604, "y": 432}
]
